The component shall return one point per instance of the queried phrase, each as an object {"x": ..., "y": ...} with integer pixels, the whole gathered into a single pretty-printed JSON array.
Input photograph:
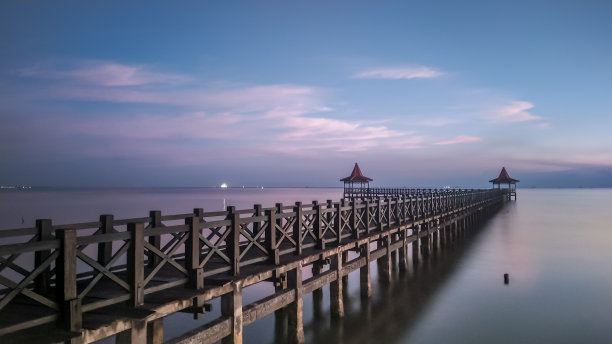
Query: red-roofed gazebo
[
  {"x": 504, "y": 178},
  {"x": 356, "y": 178}
]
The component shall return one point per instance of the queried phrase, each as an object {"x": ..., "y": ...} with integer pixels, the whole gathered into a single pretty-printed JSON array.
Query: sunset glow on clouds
[{"x": 220, "y": 92}]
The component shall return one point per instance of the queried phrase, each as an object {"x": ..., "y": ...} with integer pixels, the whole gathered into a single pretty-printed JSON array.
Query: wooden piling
[
  {"x": 231, "y": 307},
  {"x": 384, "y": 262},
  {"x": 365, "y": 283},
  {"x": 295, "y": 309},
  {"x": 335, "y": 287}
]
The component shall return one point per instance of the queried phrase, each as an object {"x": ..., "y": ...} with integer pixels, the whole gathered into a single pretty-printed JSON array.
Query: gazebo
[
  {"x": 356, "y": 178},
  {"x": 504, "y": 178}
]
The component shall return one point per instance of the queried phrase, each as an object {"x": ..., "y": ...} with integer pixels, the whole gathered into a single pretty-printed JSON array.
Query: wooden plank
[
  {"x": 209, "y": 333},
  {"x": 267, "y": 305}
]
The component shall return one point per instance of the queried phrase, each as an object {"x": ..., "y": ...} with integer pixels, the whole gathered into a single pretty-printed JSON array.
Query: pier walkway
[{"x": 84, "y": 282}]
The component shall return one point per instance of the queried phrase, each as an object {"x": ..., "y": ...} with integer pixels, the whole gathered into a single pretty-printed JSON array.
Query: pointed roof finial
[
  {"x": 504, "y": 178},
  {"x": 356, "y": 176}
]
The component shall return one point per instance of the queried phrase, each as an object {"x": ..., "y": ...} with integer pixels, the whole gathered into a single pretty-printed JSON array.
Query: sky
[{"x": 293, "y": 93}]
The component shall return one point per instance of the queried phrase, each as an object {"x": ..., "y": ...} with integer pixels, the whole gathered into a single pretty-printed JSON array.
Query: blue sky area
[{"x": 293, "y": 93}]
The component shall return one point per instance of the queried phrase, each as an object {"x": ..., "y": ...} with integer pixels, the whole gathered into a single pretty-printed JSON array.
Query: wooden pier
[{"x": 84, "y": 282}]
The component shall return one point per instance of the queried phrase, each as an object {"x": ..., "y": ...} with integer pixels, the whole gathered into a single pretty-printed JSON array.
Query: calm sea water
[{"x": 556, "y": 245}]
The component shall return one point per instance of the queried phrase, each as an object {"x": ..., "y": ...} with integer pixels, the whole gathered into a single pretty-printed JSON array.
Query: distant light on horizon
[{"x": 224, "y": 186}]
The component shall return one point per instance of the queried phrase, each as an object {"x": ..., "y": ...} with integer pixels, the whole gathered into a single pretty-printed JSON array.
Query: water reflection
[{"x": 393, "y": 307}]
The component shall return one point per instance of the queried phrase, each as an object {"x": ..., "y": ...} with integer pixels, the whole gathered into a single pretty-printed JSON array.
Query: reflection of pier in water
[
  {"x": 394, "y": 307},
  {"x": 123, "y": 277}
]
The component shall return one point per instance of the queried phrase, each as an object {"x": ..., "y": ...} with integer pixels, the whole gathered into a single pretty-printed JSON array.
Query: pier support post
[
  {"x": 384, "y": 262},
  {"x": 231, "y": 306},
  {"x": 155, "y": 331},
  {"x": 335, "y": 288},
  {"x": 345, "y": 277},
  {"x": 280, "y": 315},
  {"x": 317, "y": 294},
  {"x": 434, "y": 241},
  {"x": 403, "y": 252},
  {"x": 365, "y": 284},
  {"x": 425, "y": 240},
  {"x": 415, "y": 245},
  {"x": 394, "y": 253},
  {"x": 135, "y": 335},
  {"x": 295, "y": 309}
]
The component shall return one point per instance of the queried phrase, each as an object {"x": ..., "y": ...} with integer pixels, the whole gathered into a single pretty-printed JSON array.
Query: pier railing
[{"x": 61, "y": 272}]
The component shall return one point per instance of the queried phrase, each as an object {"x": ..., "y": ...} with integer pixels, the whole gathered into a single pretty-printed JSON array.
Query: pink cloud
[
  {"x": 544, "y": 125},
  {"x": 436, "y": 122},
  {"x": 514, "y": 112},
  {"x": 459, "y": 139},
  {"x": 261, "y": 115},
  {"x": 420, "y": 72}
]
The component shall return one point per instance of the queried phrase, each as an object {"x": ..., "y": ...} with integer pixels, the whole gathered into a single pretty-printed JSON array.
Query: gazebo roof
[
  {"x": 504, "y": 178},
  {"x": 356, "y": 176}
]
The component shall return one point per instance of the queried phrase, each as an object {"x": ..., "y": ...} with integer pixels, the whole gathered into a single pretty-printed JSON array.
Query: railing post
[
  {"x": 297, "y": 227},
  {"x": 271, "y": 237},
  {"x": 367, "y": 217},
  {"x": 198, "y": 213},
  {"x": 135, "y": 264},
  {"x": 105, "y": 249},
  {"x": 44, "y": 231},
  {"x": 388, "y": 201},
  {"x": 192, "y": 261},
  {"x": 353, "y": 223},
  {"x": 232, "y": 241},
  {"x": 338, "y": 223},
  {"x": 379, "y": 214},
  {"x": 402, "y": 208},
  {"x": 154, "y": 240},
  {"x": 319, "y": 226},
  {"x": 192, "y": 254},
  {"x": 256, "y": 213},
  {"x": 71, "y": 316},
  {"x": 398, "y": 219}
]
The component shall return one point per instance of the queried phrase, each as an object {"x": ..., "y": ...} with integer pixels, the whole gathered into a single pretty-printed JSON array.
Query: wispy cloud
[
  {"x": 543, "y": 125},
  {"x": 420, "y": 72},
  {"x": 435, "y": 122},
  {"x": 259, "y": 116},
  {"x": 459, "y": 139},
  {"x": 104, "y": 73},
  {"x": 514, "y": 112}
]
